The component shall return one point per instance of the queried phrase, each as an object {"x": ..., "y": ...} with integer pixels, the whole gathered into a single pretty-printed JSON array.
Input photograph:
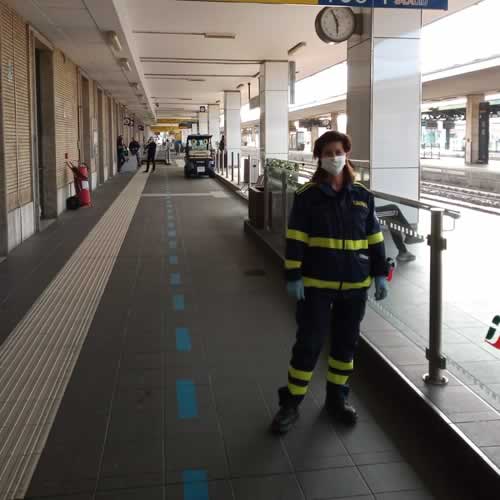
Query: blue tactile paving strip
[{"x": 176, "y": 384}]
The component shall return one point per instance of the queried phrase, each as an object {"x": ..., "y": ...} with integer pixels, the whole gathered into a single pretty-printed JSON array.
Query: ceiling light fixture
[
  {"x": 240, "y": 85},
  {"x": 217, "y": 35},
  {"x": 221, "y": 36},
  {"x": 124, "y": 63},
  {"x": 256, "y": 75},
  {"x": 114, "y": 41},
  {"x": 296, "y": 48}
]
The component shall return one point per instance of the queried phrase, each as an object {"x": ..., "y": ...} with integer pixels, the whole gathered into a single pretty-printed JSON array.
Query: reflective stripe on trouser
[
  {"x": 298, "y": 381},
  {"x": 339, "y": 371}
]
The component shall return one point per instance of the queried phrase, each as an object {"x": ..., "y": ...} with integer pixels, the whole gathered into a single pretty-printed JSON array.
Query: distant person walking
[
  {"x": 134, "y": 148},
  {"x": 222, "y": 143},
  {"x": 121, "y": 152},
  {"x": 151, "y": 148}
]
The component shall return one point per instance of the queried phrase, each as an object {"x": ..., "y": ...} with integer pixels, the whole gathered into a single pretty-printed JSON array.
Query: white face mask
[{"x": 334, "y": 166}]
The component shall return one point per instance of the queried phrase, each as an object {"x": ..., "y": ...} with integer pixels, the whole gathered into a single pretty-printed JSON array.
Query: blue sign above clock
[{"x": 389, "y": 4}]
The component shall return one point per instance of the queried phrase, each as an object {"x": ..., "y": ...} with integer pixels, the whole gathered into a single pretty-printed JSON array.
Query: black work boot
[
  {"x": 287, "y": 415},
  {"x": 337, "y": 405}
]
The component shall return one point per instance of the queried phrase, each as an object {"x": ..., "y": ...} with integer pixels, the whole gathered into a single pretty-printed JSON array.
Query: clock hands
[{"x": 336, "y": 20}]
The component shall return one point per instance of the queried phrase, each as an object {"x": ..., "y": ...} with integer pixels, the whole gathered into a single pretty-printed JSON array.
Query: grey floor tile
[
  {"x": 404, "y": 355},
  {"x": 493, "y": 453},
  {"x": 482, "y": 433},
  {"x": 455, "y": 399},
  {"x": 381, "y": 457},
  {"x": 405, "y": 495},
  {"x": 155, "y": 493},
  {"x": 390, "y": 477},
  {"x": 202, "y": 450},
  {"x": 282, "y": 487},
  {"x": 254, "y": 452},
  {"x": 217, "y": 490},
  {"x": 133, "y": 460},
  {"x": 365, "y": 437},
  {"x": 333, "y": 483},
  {"x": 316, "y": 447}
]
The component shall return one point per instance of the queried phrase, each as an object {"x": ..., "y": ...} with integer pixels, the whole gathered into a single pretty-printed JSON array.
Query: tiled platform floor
[{"x": 176, "y": 384}]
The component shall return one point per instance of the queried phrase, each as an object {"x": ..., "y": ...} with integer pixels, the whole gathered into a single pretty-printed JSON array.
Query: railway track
[{"x": 466, "y": 197}]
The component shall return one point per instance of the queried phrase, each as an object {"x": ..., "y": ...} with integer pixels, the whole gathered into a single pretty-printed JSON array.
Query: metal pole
[
  {"x": 284, "y": 201},
  {"x": 434, "y": 355},
  {"x": 266, "y": 197},
  {"x": 239, "y": 169},
  {"x": 232, "y": 166},
  {"x": 224, "y": 165},
  {"x": 249, "y": 168}
]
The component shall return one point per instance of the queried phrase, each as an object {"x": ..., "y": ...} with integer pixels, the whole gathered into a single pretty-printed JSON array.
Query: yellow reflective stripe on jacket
[
  {"x": 335, "y": 285},
  {"x": 333, "y": 378},
  {"x": 340, "y": 365},
  {"x": 293, "y": 234},
  {"x": 293, "y": 264},
  {"x": 373, "y": 239},
  {"x": 299, "y": 374},
  {"x": 296, "y": 390},
  {"x": 335, "y": 244}
]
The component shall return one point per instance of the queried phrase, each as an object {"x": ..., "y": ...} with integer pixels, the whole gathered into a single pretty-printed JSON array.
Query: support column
[
  {"x": 194, "y": 128},
  {"x": 314, "y": 136},
  {"x": 214, "y": 123},
  {"x": 232, "y": 122},
  {"x": 472, "y": 128},
  {"x": 273, "y": 82},
  {"x": 383, "y": 98},
  {"x": 203, "y": 122},
  {"x": 334, "y": 124}
]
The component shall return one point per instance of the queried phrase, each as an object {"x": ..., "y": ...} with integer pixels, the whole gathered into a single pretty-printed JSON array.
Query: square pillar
[
  {"x": 273, "y": 84},
  {"x": 472, "y": 128},
  {"x": 214, "y": 123},
  {"x": 384, "y": 96},
  {"x": 203, "y": 122},
  {"x": 194, "y": 128},
  {"x": 232, "y": 122}
]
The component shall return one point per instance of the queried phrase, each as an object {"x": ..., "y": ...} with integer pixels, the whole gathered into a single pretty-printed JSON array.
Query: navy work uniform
[{"x": 335, "y": 245}]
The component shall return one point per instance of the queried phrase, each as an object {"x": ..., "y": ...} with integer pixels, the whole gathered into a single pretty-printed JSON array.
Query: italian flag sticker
[{"x": 493, "y": 335}]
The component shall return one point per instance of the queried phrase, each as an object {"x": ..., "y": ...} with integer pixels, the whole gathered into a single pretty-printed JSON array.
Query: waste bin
[{"x": 256, "y": 206}]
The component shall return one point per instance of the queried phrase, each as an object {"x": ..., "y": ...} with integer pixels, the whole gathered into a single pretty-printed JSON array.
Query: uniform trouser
[
  {"x": 151, "y": 159},
  {"x": 322, "y": 314}
]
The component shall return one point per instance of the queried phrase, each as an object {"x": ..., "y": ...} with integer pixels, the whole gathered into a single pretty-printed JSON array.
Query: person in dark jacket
[
  {"x": 121, "y": 152},
  {"x": 334, "y": 250},
  {"x": 151, "y": 147}
]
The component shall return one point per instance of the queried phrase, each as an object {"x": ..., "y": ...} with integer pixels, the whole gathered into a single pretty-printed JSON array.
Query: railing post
[
  {"x": 224, "y": 166},
  {"x": 239, "y": 169},
  {"x": 434, "y": 355},
  {"x": 232, "y": 166},
  {"x": 266, "y": 196},
  {"x": 284, "y": 201}
]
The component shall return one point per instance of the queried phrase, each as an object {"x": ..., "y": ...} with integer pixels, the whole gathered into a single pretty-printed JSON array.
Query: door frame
[{"x": 48, "y": 159}]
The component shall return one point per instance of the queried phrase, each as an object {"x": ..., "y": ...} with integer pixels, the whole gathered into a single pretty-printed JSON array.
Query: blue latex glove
[
  {"x": 296, "y": 289},
  {"x": 380, "y": 287}
]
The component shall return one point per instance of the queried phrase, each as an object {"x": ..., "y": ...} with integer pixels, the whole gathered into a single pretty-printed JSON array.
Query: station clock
[{"x": 335, "y": 24}]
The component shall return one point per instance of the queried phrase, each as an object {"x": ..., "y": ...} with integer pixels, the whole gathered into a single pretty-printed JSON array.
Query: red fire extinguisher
[
  {"x": 84, "y": 194},
  {"x": 81, "y": 180}
]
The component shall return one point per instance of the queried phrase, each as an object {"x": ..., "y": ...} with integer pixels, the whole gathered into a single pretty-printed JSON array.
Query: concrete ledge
[
  {"x": 419, "y": 412},
  {"x": 232, "y": 187}
]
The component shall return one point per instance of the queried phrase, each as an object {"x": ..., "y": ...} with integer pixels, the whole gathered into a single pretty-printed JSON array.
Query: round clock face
[{"x": 335, "y": 24}]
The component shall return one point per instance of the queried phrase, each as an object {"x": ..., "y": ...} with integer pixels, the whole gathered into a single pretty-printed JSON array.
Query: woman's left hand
[{"x": 380, "y": 287}]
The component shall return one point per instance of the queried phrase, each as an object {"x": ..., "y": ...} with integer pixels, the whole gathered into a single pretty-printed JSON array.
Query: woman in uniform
[{"x": 334, "y": 250}]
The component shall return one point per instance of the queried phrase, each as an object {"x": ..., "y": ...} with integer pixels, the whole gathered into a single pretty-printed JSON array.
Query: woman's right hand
[{"x": 295, "y": 289}]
